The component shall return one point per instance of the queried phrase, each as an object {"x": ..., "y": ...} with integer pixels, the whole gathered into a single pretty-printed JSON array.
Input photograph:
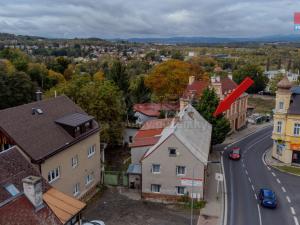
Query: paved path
[{"x": 245, "y": 177}]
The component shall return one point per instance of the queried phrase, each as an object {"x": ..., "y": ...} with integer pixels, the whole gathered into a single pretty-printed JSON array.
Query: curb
[{"x": 223, "y": 220}]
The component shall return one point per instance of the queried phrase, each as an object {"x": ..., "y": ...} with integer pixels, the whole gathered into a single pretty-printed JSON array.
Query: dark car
[
  {"x": 267, "y": 198},
  {"x": 234, "y": 154}
]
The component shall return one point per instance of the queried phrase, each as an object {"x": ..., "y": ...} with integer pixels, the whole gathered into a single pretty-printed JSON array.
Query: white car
[{"x": 95, "y": 222}]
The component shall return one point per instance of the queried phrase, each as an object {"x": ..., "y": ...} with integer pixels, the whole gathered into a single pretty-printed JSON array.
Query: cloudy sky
[{"x": 147, "y": 18}]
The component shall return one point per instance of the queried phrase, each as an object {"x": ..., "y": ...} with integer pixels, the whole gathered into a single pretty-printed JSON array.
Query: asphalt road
[{"x": 245, "y": 177}]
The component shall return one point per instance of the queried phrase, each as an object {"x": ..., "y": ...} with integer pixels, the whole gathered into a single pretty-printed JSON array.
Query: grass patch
[
  {"x": 289, "y": 169},
  {"x": 187, "y": 203},
  {"x": 261, "y": 105}
]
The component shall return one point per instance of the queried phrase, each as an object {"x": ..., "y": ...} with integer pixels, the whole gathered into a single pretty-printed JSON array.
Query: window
[
  {"x": 172, "y": 152},
  {"x": 76, "y": 190},
  {"x": 281, "y": 104},
  {"x": 155, "y": 188},
  {"x": 180, "y": 170},
  {"x": 297, "y": 129},
  {"x": 180, "y": 190},
  {"x": 12, "y": 189},
  {"x": 89, "y": 178},
  {"x": 53, "y": 175},
  {"x": 155, "y": 168},
  {"x": 74, "y": 161},
  {"x": 91, "y": 151},
  {"x": 279, "y": 127}
]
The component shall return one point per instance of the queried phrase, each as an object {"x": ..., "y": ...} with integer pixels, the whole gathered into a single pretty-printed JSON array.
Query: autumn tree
[
  {"x": 18, "y": 58},
  {"x": 168, "y": 80}
]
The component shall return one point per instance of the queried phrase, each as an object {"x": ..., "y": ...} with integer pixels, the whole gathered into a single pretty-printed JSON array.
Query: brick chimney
[
  {"x": 191, "y": 79},
  {"x": 32, "y": 186}
]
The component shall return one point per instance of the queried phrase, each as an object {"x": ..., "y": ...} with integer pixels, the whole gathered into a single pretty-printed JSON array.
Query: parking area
[{"x": 118, "y": 209}]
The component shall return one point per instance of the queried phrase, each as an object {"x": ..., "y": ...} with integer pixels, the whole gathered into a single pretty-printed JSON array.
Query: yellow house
[{"x": 286, "y": 131}]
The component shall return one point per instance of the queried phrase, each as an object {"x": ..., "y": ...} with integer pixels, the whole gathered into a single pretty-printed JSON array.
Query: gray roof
[
  {"x": 296, "y": 90},
  {"x": 134, "y": 169},
  {"x": 39, "y": 136},
  {"x": 74, "y": 120}
]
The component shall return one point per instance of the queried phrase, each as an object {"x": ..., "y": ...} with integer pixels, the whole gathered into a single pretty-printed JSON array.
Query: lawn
[
  {"x": 289, "y": 169},
  {"x": 262, "y": 105}
]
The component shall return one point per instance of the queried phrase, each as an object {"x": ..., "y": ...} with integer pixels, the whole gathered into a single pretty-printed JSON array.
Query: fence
[{"x": 115, "y": 178}]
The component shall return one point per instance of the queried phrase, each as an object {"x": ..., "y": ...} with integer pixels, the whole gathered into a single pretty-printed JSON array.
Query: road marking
[
  {"x": 259, "y": 215},
  {"x": 293, "y": 211},
  {"x": 267, "y": 136},
  {"x": 255, "y": 196},
  {"x": 288, "y": 199},
  {"x": 252, "y": 187},
  {"x": 249, "y": 179},
  {"x": 283, "y": 189},
  {"x": 243, "y": 165},
  {"x": 274, "y": 175},
  {"x": 268, "y": 168},
  {"x": 225, "y": 193},
  {"x": 246, "y": 172},
  {"x": 296, "y": 220},
  {"x": 263, "y": 159},
  {"x": 278, "y": 181}
]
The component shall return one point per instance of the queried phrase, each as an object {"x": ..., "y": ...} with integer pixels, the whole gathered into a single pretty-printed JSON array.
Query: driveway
[{"x": 117, "y": 209}]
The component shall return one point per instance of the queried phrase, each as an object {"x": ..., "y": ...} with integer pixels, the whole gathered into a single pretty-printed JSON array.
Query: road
[{"x": 245, "y": 177}]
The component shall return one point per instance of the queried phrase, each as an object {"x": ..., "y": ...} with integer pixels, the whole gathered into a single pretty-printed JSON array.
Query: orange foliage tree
[{"x": 169, "y": 79}]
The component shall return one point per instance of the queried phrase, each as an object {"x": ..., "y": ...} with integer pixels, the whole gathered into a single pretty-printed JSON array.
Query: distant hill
[{"x": 216, "y": 40}]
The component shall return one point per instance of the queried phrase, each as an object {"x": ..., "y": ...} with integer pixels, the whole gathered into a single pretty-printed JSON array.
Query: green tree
[
  {"x": 176, "y": 54},
  {"x": 273, "y": 83},
  {"x": 101, "y": 99},
  {"x": 255, "y": 73},
  {"x": 18, "y": 58},
  {"x": 206, "y": 106},
  {"x": 139, "y": 92}
]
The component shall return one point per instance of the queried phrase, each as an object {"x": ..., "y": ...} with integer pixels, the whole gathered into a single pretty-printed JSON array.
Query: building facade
[
  {"x": 59, "y": 139},
  {"x": 286, "y": 131}
]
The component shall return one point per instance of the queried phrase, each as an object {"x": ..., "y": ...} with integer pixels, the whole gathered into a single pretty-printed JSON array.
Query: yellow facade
[{"x": 285, "y": 132}]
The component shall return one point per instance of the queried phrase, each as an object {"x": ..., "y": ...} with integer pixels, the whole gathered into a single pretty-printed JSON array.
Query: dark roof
[
  {"x": 153, "y": 109},
  {"x": 39, "y": 136},
  {"x": 18, "y": 209},
  {"x": 74, "y": 120},
  {"x": 295, "y": 104}
]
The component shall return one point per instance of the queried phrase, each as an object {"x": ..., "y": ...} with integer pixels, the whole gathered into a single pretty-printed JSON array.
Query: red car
[{"x": 234, "y": 154}]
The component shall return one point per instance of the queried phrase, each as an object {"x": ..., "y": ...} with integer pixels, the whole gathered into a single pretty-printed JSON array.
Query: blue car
[{"x": 267, "y": 198}]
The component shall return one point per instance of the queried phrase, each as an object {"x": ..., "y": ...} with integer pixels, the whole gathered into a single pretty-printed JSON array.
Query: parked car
[
  {"x": 94, "y": 222},
  {"x": 267, "y": 198},
  {"x": 235, "y": 154}
]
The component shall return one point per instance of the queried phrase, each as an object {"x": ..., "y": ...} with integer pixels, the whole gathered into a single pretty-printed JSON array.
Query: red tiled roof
[
  {"x": 21, "y": 211},
  {"x": 227, "y": 85},
  {"x": 150, "y": 132},
  {"x": 153, "y": 109},
  {"x": 195, "y": 89}
]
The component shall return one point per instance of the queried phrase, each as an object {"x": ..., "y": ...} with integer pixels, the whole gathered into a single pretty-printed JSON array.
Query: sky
[{"x": 147, "y": 18}]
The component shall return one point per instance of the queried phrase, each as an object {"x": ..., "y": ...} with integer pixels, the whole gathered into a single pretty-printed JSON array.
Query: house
[
  {"x": 237, "y": 114},
  {"x": 26, "y": 198},
  {"x": 175, "y": 158},
  {"x": 59, "y": 139},
  {"x": 150, "y": 111},
  {"x": 286, "y": 131}
]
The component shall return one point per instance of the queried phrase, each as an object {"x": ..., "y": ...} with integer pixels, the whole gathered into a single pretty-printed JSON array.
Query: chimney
[
  {"x": 183, "y": 103},
  {"x": 32, "y": 186},
  {"x": 191, "y": 79},
  {"x": 38, "y": 95}
]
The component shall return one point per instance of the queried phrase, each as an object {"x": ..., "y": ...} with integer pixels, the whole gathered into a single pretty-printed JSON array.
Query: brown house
[
  {"x": 59, "y": 139},
  {"x": 26, "y": 198}
]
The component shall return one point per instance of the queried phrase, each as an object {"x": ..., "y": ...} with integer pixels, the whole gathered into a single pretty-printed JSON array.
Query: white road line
[
  {"x": 243, "y": 165},
  {"x": 288, "y": 199},
  {"x": 268, "y": 168},
  {"x": 252, "y": 187},
  {"x": 249, "y": 179},
  {"x": 255, "y": 196},
  {"x": 274, "y": 175},
  {"x": 293, "y": 211},
  {"x": 283, "y": 189},
  {"x": 267, "y": 136},
  {"x": 246, "y": 172},
  {"x": 259, "y": 215},
  {"x": 296, "y": 220},
  {"x": 263, "y": 159},
  {"x": 278, "y": 181}
]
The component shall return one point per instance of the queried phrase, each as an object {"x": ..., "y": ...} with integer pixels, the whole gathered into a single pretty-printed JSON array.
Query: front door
[{"x": 296, "y": 157}]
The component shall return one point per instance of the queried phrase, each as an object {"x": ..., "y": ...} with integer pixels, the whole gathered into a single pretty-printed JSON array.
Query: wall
[
  {"x": 69, "y": 176},
  {"x": 167, "y": 177}
]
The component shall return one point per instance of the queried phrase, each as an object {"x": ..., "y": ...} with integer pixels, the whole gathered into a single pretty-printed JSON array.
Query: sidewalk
[
  {"x": 243, "y": 133},
  {"x": 272, "y": 161},
  {"x": 211, "y": 214}
]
